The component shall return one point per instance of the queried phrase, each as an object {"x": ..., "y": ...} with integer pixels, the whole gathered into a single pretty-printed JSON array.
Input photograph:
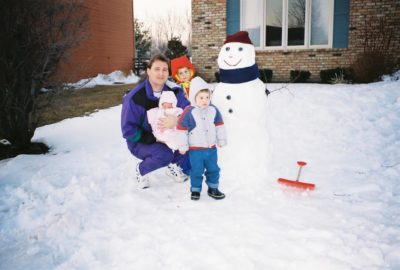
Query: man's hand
[
  {"x": 169, "y": 121},
  {"x": 182, "y": 152}
]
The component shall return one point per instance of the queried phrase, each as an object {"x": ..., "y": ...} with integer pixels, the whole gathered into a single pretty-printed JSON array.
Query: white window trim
[{"x": 285, "y": 47}]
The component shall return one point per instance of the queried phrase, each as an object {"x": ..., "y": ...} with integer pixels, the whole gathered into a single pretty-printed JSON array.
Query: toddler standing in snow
[
  {"x": 166, "y": 106},
  {"x": 201, "y": 129},
  {"x": 182, "y": 72}
]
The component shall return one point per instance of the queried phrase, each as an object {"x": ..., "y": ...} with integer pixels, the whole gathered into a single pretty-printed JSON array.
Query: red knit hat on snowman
[{"x": 241, "y": 37}]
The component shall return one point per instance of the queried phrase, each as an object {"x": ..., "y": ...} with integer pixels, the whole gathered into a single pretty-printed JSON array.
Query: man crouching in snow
[{"x": 137, "y": 130}]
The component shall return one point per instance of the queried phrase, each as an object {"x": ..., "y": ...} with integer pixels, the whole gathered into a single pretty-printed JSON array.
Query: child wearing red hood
[{"x": 182, "y": 72}]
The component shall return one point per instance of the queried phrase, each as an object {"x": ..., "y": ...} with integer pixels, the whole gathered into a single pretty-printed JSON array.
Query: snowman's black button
[
  {"x": 230, "y": 111},
  {"x": 228, "y": 97}
]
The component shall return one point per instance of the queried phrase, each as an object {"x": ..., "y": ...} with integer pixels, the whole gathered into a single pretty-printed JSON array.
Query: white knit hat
[
  {"x": 197, "y": 84},
  {"x": 169, "y": 97}
]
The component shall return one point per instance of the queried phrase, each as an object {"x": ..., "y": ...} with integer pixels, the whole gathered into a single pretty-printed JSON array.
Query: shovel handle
[{"x": 301, "y": 164}]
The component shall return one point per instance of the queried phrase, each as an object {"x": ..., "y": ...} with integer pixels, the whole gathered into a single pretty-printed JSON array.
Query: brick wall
[
  {"x": 109, "y": 44},
  {"x": 209, "y": 32}
]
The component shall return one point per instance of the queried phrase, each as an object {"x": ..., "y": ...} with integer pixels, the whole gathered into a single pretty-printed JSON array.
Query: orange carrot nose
[{"x": 301, "y": 163}]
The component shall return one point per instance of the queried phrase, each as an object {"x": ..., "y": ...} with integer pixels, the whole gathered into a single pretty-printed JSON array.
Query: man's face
[
  {"x": 158, "y": 75},
  {"x": 202, "y": 99}
]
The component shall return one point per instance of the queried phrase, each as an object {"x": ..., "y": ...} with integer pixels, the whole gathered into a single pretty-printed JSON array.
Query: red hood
[{"x": 178, "y": 63}]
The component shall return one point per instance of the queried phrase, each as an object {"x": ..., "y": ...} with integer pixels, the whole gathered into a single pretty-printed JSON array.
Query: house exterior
[
  {"x": 289, "y": 35},
  {"x": 109, "y": 45}
]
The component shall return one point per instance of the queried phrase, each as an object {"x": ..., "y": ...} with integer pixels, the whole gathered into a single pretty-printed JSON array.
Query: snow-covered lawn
[{"x": 79, "y": 208}]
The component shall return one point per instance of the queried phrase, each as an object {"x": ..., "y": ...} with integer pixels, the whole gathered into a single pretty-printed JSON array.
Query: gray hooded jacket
[{"x": 200, "y": 127}]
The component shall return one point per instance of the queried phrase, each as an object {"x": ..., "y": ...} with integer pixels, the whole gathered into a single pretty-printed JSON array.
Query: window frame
[{"x": 285, "y": 32}]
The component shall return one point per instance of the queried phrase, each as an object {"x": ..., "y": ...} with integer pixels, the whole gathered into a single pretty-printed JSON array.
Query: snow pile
[
  {"x": 394, "y": 77},
  {"x": 79, "y": 208},
  {"x": 115, "y": 77}
]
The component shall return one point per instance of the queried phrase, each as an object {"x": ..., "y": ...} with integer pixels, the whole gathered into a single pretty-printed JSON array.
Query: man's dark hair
[{"x": 159, "y": 57}]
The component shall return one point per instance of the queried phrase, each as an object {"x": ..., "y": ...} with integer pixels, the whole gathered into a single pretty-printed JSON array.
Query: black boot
[
  {"x": 215, "y": 193},
  {"x": 195, "y": 196}
]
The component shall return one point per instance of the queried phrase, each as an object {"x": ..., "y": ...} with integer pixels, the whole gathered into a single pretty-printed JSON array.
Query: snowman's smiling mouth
[{"x": 233, "y": 65}]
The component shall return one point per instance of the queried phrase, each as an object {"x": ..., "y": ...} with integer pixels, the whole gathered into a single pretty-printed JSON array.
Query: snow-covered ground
[
  {"x": 78, "y": 207},
  {"x": 115, "y": 77}
]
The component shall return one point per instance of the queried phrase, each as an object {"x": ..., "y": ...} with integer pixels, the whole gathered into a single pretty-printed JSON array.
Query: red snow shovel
[{"x": 296, "y": 183}]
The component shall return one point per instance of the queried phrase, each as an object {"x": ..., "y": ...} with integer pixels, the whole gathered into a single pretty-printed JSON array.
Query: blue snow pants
[
  {"x": 203, "y": 161},
  {"x": 158, "y": 155}
]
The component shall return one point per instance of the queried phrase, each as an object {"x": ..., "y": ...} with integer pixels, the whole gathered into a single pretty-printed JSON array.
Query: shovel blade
[{"x": 297, "y": 184}]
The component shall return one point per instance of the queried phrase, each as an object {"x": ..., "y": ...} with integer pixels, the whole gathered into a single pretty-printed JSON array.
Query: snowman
[{"x": 241, "y": 98}]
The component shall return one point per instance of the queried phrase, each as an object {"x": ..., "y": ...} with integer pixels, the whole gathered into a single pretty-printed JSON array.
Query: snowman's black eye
[
  {"x": 227, "y": 49},
  {"x": 240, "y": 49}
]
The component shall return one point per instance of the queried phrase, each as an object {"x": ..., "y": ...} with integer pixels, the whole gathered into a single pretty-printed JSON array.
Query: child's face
[
  {"x": 166, "y": 105},
  {"x": 184, "y": 74},
  {"x": 202, "y": 99}
]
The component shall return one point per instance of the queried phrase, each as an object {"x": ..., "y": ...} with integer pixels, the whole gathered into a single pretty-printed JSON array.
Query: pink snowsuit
[{"x": 167, "y": 136}]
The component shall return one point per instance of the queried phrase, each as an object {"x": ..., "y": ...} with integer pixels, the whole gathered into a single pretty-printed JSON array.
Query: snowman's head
[{"x": 237, "y": 52}]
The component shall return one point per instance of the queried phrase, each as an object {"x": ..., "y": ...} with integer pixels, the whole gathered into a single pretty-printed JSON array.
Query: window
[
  {"x": 320, "y": 22},
  {"x": 288, "y": 24},
  {"x": 252, "y": 21},
  {"x": 273, "y": 28}
]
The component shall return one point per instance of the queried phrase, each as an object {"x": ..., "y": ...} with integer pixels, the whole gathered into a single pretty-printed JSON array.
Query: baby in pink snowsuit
[{"x": 166, "y": 106}]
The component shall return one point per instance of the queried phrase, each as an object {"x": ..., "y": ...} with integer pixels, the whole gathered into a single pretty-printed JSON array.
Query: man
[{"x": 137, "y": 130}]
